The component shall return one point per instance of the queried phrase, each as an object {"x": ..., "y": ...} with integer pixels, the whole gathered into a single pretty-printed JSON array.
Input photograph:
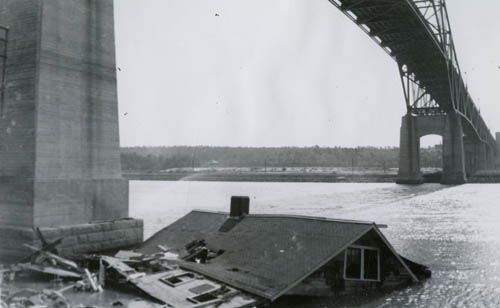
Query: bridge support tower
[
  {"x": 453, "y": 151},
  {"x": 409, "y": 152},
  {"x": 413, "y": 127},
  {"x": 496, "y": 155},
  {"x": 59, "y": 143}
]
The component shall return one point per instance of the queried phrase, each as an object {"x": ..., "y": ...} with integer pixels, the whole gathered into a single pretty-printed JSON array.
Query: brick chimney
[{"x": 240, "y": 206}]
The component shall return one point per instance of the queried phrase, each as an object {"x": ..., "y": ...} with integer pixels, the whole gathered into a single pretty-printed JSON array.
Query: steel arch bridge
[{"x": 418, "y": 36}]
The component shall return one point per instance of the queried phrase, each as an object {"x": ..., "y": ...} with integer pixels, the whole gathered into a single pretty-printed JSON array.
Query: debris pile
[
  {"x": 67, "y": 275},
  {"x": 158, "y": 276},
  {"x": 197, "y": 251},
  {"x": 32, "y": 298}
]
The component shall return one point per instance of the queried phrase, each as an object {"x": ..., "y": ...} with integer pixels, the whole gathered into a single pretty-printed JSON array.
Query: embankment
[{"x": 263, "y": 177}]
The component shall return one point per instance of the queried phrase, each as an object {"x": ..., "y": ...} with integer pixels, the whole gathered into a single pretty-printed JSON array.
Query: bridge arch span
[
  {"x": 430, "y": 125},
  {"x": 449, "y": 127},
  {"x": 431, "y": 157},
  {"x": 462, "y": 154}
]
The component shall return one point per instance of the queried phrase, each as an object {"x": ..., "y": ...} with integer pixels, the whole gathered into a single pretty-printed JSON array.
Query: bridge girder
[{"x": 418, "y": 36}]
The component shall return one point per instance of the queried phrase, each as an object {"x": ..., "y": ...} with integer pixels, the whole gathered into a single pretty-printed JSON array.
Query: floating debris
[{"x": 176, "y": 287}]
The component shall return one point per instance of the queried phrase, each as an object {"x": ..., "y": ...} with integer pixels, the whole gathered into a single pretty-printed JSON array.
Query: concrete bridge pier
[
  {"x": 490, "y": 157},
  {"x": 478, "y": 156},
  {"x": 482, "y": 152},
  {"x": 450, "y": 127},
  {"x": 453, "y": 151},
  {"x": 470, "y": 156},
  {"x": 496, "y": 152},
  {"x": 59, "y": 144},
  {"x": 409, "y": 152}
]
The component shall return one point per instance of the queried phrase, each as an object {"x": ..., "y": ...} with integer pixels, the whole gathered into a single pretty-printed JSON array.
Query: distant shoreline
[
  {"x": 311, "y": 177},
  {"x": 370, "y": 176}
]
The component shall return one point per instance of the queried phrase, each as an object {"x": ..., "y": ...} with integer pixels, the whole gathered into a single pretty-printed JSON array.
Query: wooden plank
[
  {"x": 93, "y": 283},
  {"x": 50, "y": 270},
  {"x": 57, "y": 258}
]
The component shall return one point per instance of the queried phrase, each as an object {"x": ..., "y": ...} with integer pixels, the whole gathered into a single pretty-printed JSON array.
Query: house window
[
  {"x": 202, "y": 298},
  {"x": 362, "y": 263},
  {"x": 177, "y": 280}
]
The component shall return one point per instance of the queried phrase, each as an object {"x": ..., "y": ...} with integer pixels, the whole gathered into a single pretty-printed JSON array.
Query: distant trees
[
  {"x": 144, "y": 161},
  {"x": 161, "y": 158}
]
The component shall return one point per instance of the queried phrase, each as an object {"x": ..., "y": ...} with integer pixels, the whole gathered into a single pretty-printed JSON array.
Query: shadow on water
[
  {"x": 376, "y": 197},
  {"x": 434, "y": 177},
  {"x": 407, "y": 191}
]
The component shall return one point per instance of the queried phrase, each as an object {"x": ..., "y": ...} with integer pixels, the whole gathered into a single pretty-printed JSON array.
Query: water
[{"x": 455, "y": 230}]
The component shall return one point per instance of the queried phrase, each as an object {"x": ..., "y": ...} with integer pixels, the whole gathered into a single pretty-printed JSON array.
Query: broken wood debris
[
  {"x": 198, "y": 251},
  {"x": 179, "y": 288},
  {"x": 92, "y": 281},
  {"x": 50, "y": 270},
  {"x": 46, "y": 261},
  {"x": 52, "y": 264},
  {"x": 46, "y": 246},
  {"x": 36, "y": 299},
  {"x": 156, "y": 275},
  {"x": 55, "y": 258}
]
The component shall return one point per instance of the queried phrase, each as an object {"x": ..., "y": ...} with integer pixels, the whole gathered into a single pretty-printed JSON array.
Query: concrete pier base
[
  {"x": 490, "y": 158},
  {"x": 409, "y": 153},
  {"x": 59, "y": 139},
  {"x": 448, "y": 126},
  {"x": 496, "y": 152},
  {"x": 77, "y": 239},
  {"x": 453, "y": 151}
]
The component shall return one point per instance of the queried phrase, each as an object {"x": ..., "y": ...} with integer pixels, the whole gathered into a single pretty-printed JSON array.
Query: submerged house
[{"x": 269, "y": 256}]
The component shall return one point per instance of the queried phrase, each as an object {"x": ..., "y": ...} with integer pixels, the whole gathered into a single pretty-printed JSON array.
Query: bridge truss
[{"x": 418, "y": 36}]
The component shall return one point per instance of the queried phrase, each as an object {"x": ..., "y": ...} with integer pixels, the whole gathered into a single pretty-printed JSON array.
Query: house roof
[{"x": 265, "y": 255}]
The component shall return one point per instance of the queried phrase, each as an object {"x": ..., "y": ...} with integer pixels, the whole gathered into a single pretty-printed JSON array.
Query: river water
[{"x": 455, "y": 230}]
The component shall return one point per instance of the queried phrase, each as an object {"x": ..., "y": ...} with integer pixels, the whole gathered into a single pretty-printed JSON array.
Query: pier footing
[{"x": 76, "y": 239}]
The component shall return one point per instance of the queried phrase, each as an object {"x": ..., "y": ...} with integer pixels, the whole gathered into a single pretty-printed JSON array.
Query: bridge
[
  {"x": 418, "y": 36},
  {"x": 59, "y": 143}
]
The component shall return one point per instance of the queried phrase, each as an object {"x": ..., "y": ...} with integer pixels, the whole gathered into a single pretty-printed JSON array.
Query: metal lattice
[
  {"x": 418, "y": 100},
  {"x": 436, "y": 16},
  {"x": 418, "y": 36}
]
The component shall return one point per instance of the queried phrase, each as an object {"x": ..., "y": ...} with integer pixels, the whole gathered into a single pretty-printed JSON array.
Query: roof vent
[{"x": 240, "y": 206}]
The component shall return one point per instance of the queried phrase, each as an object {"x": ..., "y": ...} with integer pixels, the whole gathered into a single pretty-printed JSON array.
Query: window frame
[
  {"x": 362, "y": 269},
  {"x": 165, "y": 279}
]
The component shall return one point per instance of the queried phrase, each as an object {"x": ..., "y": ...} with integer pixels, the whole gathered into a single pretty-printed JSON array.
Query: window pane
[
  {"x": 353, "y": 263},
  {"x": 371, "y": 264}
]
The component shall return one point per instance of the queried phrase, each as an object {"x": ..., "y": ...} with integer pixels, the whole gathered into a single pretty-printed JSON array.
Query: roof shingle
[{"x": 263, "y": 254}]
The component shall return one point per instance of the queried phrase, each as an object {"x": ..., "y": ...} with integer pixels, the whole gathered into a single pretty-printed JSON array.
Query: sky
[{"x": 277, "y": 73}]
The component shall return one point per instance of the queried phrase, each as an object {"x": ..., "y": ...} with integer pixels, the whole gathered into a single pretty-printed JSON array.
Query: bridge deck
[{"x": 402, "y": 31}]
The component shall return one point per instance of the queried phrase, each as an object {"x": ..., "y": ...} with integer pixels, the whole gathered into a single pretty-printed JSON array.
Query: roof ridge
[
  {"x": 352, "y": 221},
  {"x": 208, "y": 211},
  {"x": 319, "y": 218}
]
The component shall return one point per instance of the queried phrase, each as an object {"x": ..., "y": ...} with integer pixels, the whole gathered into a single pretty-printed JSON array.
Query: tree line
[{"x": 163, "y": 158}]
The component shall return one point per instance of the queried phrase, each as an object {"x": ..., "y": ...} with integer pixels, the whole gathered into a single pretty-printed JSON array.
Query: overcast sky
[{"x": 276, "y": 73}]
